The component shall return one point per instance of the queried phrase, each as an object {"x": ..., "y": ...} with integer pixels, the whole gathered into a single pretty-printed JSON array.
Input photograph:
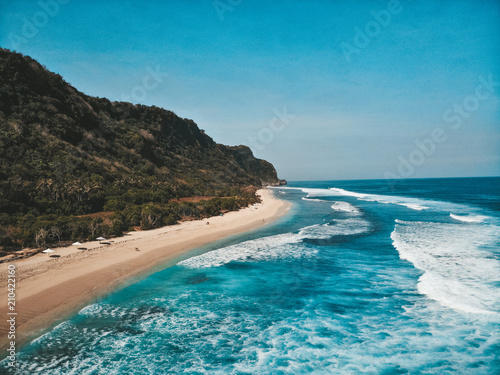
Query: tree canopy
[{"x": 65, "y": 155}]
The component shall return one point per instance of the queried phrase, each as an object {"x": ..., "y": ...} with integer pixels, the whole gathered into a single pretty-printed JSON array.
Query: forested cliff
[{"x": 65, "y": 155}]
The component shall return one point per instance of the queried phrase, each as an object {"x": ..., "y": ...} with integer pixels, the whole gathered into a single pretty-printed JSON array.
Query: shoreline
[{"x": 49, "y": 290}]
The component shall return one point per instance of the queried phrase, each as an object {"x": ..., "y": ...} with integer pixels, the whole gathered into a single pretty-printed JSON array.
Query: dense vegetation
[{"x": 65, "y": 156}]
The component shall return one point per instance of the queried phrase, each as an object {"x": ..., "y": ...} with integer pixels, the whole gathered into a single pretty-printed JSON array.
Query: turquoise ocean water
[{"x": 360, "y": 278}]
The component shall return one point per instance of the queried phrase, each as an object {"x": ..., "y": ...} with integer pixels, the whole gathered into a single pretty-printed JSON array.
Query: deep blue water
[{"x": 361, "y": 277}]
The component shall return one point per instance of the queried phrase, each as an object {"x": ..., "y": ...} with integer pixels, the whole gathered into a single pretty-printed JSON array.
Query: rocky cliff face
[{"x": 265, "y": 170}]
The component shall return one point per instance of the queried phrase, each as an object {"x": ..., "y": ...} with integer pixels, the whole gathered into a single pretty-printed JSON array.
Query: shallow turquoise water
[{"x": 359, "y": 278}]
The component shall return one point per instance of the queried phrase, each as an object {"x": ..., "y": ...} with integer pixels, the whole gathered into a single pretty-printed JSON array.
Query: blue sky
[{"x": 275, "y": 75}]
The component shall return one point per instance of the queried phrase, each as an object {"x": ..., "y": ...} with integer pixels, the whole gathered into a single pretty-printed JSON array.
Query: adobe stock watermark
[
  {"x": 363, "y": 37},
  {"x": 31, "y": 26},
  {"x": 455, "y": 116},
  {"x": 224, "y": 6},
  {"x": 149, "y": 82},
  {"x": 266, "y": 135},
  {"x": 11, "y": 315}
]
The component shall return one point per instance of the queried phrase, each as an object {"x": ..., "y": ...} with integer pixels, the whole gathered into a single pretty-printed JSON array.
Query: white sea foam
[
  {"x": 403, "y": 222},
  {"x": 345, "y": 207},
  {"x": 469, "y": 218},
  {"x": 411, "y": 203},
  {"x": 266, "y": 248},
  {"x": 91, "y": 309},
  {"x": 413, "y": 206},
  {"x": 314, "y": 199},
  {"x": 283, "y": 246},
  {"x": 458, "y": 270},
  {"x": 338, "y": 228},
  {"x": 337, "y": 206},
  {"x": 312, "y": 340},
  {"x": 350, "y": 193}
]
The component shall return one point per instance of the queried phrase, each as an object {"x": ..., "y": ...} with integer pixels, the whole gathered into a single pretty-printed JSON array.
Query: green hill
[{"x": 65, "y": 155}]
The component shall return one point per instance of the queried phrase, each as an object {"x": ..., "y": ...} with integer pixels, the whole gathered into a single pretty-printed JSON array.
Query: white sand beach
[{"x": 49, "y": 289}]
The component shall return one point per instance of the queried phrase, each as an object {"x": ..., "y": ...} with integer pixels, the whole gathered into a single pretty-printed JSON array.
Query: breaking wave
[
  {"x": 459, "y": 271},
  {"x": 469, "y": 218},
  {"x": 283, "y": 246}
]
